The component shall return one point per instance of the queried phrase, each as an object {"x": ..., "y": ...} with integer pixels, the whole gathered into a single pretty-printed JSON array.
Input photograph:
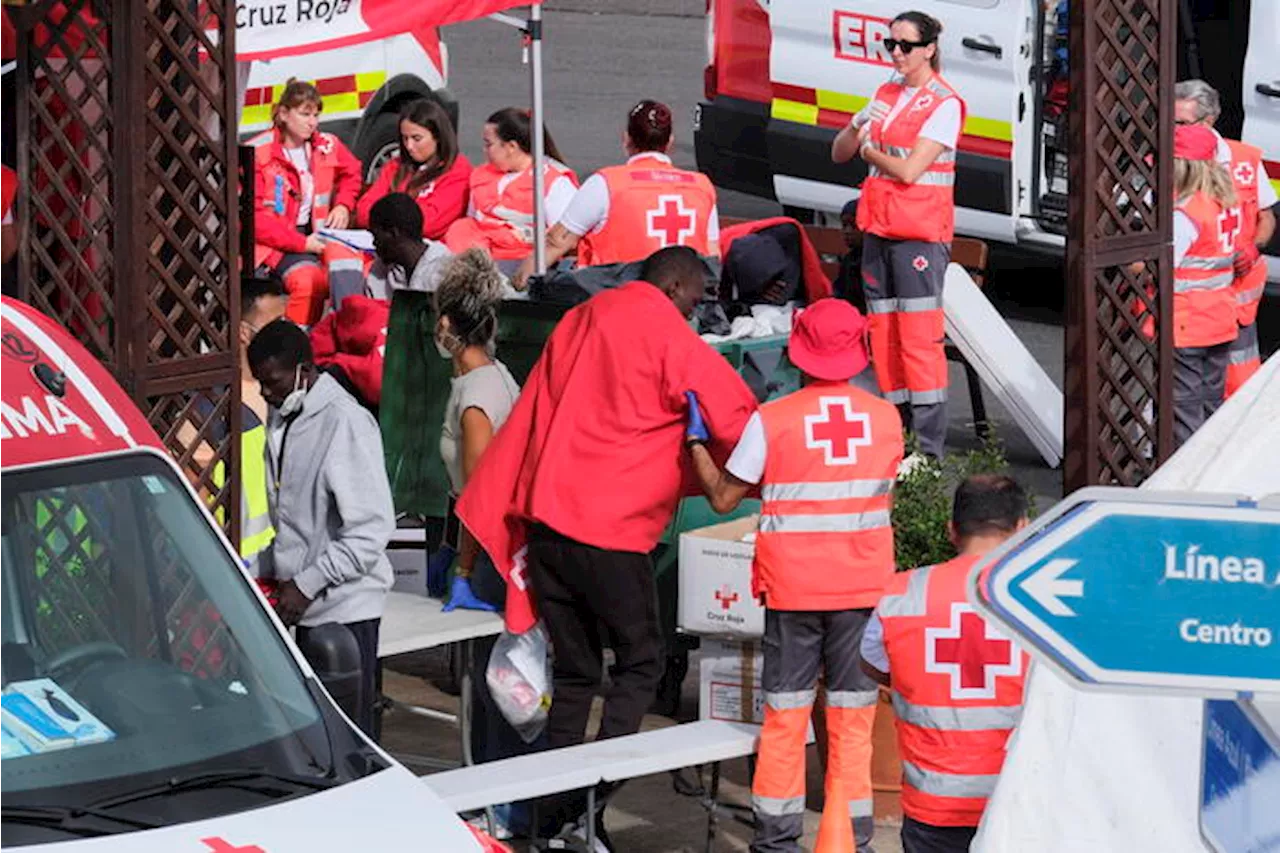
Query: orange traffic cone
[{"x": 835, "y": 833}]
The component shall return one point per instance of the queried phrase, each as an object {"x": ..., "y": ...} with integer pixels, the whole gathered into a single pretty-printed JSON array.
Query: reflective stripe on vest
[
  {"x": 833, "y": 457},
  {"x": 509, "y": 204},
  {"x": 957, "y": 693},
  {"x": 922, "y": 210}
]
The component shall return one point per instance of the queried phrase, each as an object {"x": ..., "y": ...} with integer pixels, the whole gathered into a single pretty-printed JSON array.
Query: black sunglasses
[{"x": 907, "y": 46}]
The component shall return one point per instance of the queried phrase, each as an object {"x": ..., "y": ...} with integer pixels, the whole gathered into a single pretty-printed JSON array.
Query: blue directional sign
[
  {"x": 1121, "y": 587},
  {"x": 1240, "y": 786}
]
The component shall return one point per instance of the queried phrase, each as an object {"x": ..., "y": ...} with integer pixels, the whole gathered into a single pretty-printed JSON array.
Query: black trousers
[
  {"x": 920, "y": 837},
  {"x": 589, "y": 599},
  {"x": 366, "y": 634}
]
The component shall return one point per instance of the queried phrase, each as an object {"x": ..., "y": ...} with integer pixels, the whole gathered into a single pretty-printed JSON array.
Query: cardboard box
[
  {"x": 715, "y": 581},
  {"x": 63, "y": 710},
  {"x": 730, "y": 682}
]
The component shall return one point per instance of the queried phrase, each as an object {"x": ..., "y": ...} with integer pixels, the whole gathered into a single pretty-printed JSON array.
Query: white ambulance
[
  {"x": 363, "y": 86},
  {"x": 783, "y": 77},
  {"x": 151, "y": 702}
]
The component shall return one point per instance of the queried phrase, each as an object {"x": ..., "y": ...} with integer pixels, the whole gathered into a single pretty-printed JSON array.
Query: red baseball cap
[
  {"x": 828, "y": 340},
  {"x": 1194, "y": 142}
]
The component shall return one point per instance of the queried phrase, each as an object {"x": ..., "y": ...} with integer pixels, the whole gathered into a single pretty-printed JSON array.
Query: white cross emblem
[
  {"x": 1244, "y": 174},
  {"x": 671, "y": 223},
  {"x": 837, "y": 430},
  {"x": 972, "y": 652}
]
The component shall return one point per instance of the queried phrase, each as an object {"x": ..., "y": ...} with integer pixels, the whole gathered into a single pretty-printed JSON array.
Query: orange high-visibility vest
[
  {"x": 652, "y": 205},
  {"x": 825, "y": 540},
  {"x": 957, "y": 693},
  {"x": 924, "y": 210},
  {"x": 284, "y": 184},
  {"x": 1204, "y": 304},
  {"x": 508, "y": 210},
  {"x": 1245, "y": 160}
]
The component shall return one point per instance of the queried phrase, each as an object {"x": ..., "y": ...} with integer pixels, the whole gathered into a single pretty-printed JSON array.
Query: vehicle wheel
[
  {"x": 383, "y": 142},
  {"x": 803, "y": 215}
]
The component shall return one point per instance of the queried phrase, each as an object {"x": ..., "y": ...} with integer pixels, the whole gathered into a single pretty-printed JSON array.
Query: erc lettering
[
  {"x": 1195, "y": 631},
  {"x": 1195, "y": 566}
]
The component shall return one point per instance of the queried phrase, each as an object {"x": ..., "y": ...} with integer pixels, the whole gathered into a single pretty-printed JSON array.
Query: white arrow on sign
[{"x": 1047, "y": 587}]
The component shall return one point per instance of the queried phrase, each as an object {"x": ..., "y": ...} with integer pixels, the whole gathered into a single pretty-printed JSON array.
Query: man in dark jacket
[{"x": 329, "y": 496}]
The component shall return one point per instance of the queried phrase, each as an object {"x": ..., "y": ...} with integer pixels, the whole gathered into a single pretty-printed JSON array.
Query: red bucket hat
[
  {"x": 828, "y": 340},
  {"x": 1194, "y": 142}
]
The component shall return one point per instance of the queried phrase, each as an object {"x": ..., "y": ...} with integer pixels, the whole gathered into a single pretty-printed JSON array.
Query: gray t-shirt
[{"x": 492, "y": 390}]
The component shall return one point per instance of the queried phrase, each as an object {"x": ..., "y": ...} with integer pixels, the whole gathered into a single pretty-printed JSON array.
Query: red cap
[
  {"x": 828, "y": 340},
  {"x": 1194, "y": 142}
]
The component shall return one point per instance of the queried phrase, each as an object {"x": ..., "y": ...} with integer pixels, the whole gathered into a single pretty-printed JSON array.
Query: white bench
[{"x": 571, "y": 768}]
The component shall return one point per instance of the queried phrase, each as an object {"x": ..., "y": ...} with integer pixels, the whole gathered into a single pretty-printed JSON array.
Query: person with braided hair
[{"x": 626, "y": 213}]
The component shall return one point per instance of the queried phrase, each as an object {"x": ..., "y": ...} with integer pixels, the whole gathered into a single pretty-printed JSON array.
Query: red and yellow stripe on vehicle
[
  {"x": 349, "y": 93},
  {"x": 1273, "y": 173},
  {"x": 986, "y": 137}
]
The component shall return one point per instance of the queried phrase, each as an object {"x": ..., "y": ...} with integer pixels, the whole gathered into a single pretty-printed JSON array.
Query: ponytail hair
[
  {"x": 930, "y": 29},
  {"x": 516, "y": 125}
]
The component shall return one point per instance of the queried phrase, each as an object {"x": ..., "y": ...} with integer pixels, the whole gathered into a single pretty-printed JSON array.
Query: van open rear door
[
  {"x": 826, "y": 62},
  {"x": 1261, "y": 98}
]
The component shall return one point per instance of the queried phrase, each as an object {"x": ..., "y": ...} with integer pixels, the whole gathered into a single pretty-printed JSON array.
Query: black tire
[
  {"x": 382, "y": 140},
  {"x": 803, "y": 215}
]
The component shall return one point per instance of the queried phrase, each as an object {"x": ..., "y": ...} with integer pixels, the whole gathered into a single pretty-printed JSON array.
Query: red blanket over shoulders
[
  {"x": 594, "y": 447},
  {"x": 355, "y": 338},
  {"x": 817, "y": 284}
]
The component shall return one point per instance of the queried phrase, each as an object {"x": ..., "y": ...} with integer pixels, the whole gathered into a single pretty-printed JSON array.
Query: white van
[
  {"x": 783, "y": 77},
  {"x": 363, "y": 86},
  {"x": 151, "y": 701}
]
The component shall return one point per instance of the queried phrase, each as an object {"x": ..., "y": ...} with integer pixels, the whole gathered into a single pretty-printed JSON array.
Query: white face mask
[
  {"x": 442, "y": 332},
  {"x": 442, "y": 350},
  {"x": 293, "y": 403}
]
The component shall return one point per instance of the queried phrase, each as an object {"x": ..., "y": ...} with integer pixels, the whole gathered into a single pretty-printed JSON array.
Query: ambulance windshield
[{"x": 138, "y": 664}]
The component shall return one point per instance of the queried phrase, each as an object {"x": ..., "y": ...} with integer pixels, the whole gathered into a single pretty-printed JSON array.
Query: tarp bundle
[{"x": 1099, "y": 771}]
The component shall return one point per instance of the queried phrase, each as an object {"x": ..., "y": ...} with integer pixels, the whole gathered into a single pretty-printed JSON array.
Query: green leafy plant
[{"x": 922, "y": 501}]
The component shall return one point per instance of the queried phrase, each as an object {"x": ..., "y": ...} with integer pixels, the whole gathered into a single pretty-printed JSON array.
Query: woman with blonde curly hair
[{"x": 1206, "y": 228}]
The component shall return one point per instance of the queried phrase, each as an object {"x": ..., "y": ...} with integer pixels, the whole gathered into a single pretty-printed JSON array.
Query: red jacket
[
  {"x": 442, "y": 201},
  {"x": 355, "y": 338},
  {"x": 594, "y": 448},
  {"x": 275, "y": 220},
  {"x": 816, "y": 283}
]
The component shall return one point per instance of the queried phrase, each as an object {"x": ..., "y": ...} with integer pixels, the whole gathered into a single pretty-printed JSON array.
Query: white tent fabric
[{"x": 1107, "y": 772}]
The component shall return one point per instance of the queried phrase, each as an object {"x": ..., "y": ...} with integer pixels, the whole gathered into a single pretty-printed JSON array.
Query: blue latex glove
[
  {"x": 438, "y": 571},
  {"x": 697, "y": 428},
  {"x": 460, "y": 595}
]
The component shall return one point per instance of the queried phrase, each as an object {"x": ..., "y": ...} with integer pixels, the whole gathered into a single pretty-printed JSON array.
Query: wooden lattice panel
[
  {"x": 194, "y": 426},
  {"x": 1119, "y": 366}
]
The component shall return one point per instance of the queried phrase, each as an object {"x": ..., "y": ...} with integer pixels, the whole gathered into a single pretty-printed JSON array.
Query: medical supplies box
[
  {"x": 44, "y": 717},
  {"x": 715, "y": 581},
  {"x": 729, "y": 682},
  {"x": 33, "y": 727},
  {"x": 10, "y": 746}
]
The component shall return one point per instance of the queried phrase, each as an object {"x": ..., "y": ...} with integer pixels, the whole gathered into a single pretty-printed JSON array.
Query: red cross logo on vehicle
[
  {"x": 921, "y": 263},
  {"x": 972, "y": 652},
  {"x": 221, "y": 845},
  {"x": 1244, "y": 174},
  {"x": 1228, "y": 229},
  {"x": 670, "y": 222},
  {"x": 837, "y": 430},
  {"x": 726, "y": 596}
]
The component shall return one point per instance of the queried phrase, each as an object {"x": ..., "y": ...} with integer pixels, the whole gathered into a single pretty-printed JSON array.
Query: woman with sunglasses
[{"x": 907, "y": 135}]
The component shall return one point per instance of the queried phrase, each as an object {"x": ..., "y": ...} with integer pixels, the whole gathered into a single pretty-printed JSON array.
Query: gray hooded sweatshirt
[{"x": 331, "y": 505}]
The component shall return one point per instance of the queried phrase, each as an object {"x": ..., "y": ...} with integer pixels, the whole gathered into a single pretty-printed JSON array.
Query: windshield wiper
[
  {"x": 249, "y": 778},
  {"x": 66, "y": 818}
]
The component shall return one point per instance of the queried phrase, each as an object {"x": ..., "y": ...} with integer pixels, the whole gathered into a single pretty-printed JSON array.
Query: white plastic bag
[{"x": 519, "y": 679}]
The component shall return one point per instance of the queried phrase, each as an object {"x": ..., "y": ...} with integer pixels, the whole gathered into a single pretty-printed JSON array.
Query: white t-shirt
[
  {"x": 1185, "y": 232},
  {"x": 1266, "y": 192},
  {"x": 301, "y": 160},
  {"x": 589, "y": 210},
  {"x": 747, "y": 460},
  {"x": 943, "y": 126},
  {"x": 491, "y": 389}
]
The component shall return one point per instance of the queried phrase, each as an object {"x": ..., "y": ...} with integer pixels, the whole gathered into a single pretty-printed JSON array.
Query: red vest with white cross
[
  {"x": 825, "y": 540},
  {"x": 1245, "y": 175},
  {"x": 957, "y": 693},
  {"x": 652, "y": 205}
]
